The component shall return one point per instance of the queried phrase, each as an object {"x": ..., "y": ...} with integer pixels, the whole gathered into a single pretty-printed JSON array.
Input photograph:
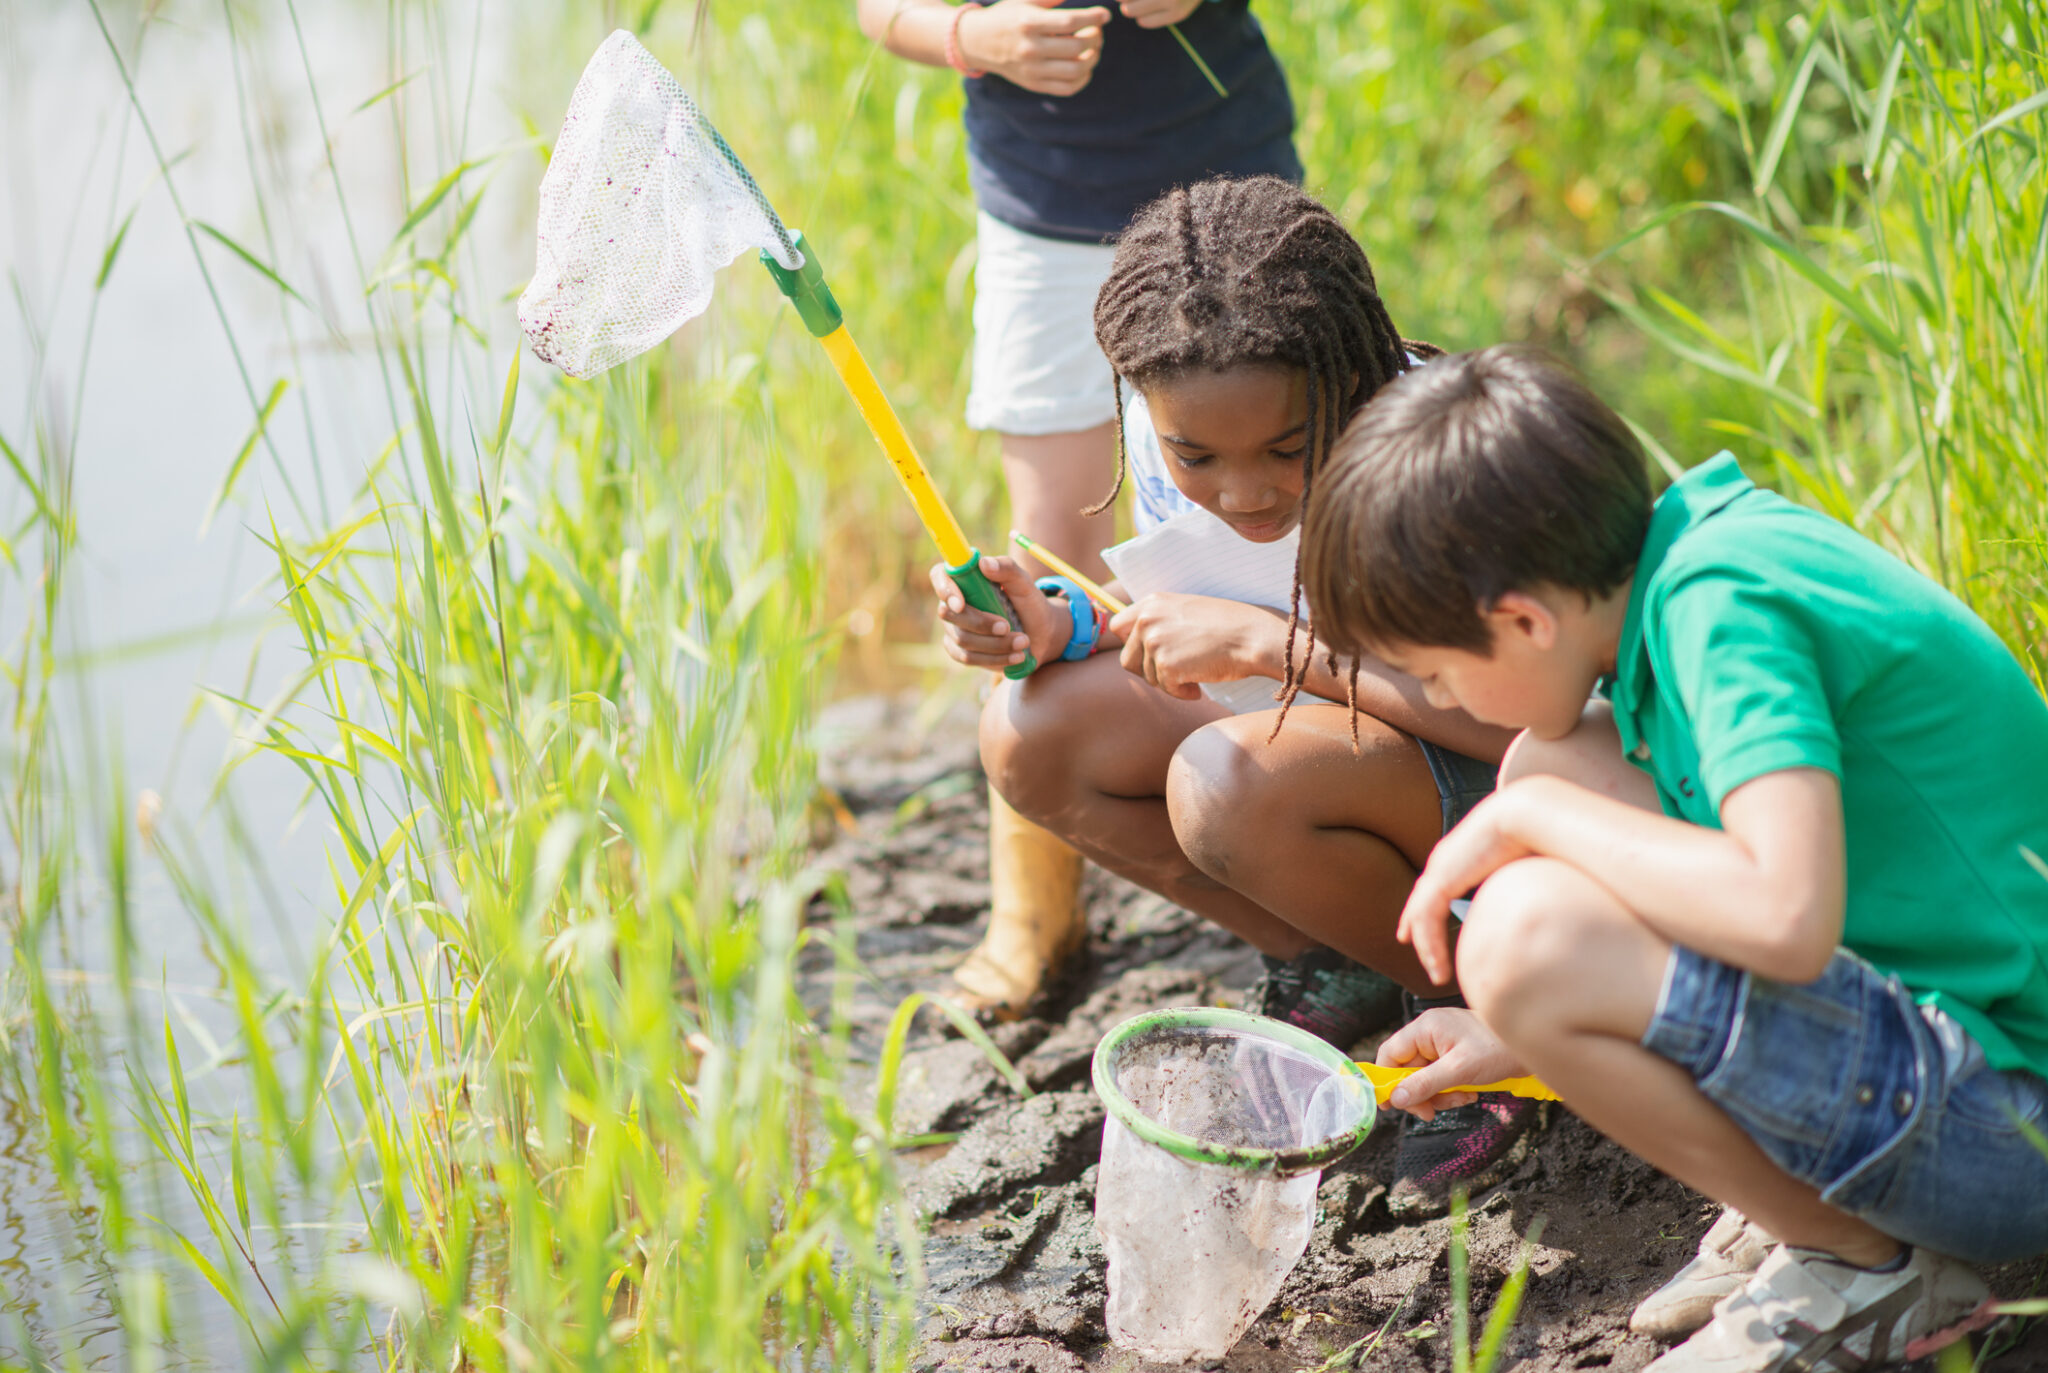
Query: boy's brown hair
[{"x": 1478, "y": 474}]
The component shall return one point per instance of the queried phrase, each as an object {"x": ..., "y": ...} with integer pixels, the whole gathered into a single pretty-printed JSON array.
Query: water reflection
[{"x": 138, "y": 377}]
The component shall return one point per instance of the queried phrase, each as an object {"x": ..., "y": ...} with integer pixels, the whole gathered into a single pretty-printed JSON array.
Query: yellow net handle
[
  {"x": 888, "y": 430},
  {"x": 1385, "y": 1079}
]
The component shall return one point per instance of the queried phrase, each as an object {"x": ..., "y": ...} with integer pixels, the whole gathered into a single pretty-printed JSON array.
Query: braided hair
[{"x": 1242, "y": 272}]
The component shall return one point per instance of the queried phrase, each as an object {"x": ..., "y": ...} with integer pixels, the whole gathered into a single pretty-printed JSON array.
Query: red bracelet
[
  {"x": 953, "y": 57},
  {"x": 1101, "y": 628}
]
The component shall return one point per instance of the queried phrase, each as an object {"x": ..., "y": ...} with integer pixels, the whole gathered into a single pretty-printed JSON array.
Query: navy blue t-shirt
[{"x": 1078, "y": 167}]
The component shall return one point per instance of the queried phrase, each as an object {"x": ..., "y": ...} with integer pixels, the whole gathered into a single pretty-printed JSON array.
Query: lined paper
[{"x": 1196, "y": 554}]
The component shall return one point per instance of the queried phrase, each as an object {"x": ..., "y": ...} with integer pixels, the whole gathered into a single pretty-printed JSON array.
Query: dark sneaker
[
  {"x": 1325, "y": 993},
  {"x": 1467, "y": 1147}
]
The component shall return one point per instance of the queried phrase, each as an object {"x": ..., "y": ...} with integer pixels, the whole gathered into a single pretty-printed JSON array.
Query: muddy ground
[{"x": 1015, "y": 1272}]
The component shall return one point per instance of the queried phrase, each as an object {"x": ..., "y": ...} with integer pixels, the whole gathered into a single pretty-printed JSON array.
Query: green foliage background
[{"x": 547, "y": 1097}]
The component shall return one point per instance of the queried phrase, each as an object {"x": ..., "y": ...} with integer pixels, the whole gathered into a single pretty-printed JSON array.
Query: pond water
[{"x": 137, "y": 390}]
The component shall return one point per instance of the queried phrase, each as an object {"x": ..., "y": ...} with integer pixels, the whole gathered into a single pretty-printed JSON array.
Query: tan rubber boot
[{"x": 1034, "y": 921}]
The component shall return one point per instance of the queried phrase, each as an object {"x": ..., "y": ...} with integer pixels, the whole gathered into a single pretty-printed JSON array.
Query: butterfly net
[
  {"x": 642, "y": 203},
  {"x": 1219, "y": 1126}
]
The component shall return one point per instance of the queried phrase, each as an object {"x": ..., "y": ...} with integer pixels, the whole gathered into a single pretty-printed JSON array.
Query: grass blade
[
  {"x": 1880, "y": 121},
  {"x": 1788, "y": 109},
  {"x": 99, "y": 281},
  {"x": 258, "y": 264},
  {"x": 234, "y": 472},
  {"x": 2012, "y": 115},
  {"x": 1502, "y": 1318}
]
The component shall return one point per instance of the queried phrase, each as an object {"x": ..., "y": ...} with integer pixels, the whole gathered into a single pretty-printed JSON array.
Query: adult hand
[
  {"x": 1034, "y": 43},
  {"x": 1178, "y": 642},
  {"x": 1459, "y": 1051},
  {"x": 1476, "y": 848},
  {"x": 1157, "y": 14},
  {"x": 979, "y": 639}
]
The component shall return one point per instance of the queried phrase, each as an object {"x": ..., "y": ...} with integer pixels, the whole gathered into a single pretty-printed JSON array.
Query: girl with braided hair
[
  {"x": 1077, "y": 113},
  {"x": 1245, "y": 329}
]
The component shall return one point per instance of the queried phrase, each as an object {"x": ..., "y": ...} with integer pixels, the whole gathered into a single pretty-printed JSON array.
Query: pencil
[{"x": 1066, "y": 569}]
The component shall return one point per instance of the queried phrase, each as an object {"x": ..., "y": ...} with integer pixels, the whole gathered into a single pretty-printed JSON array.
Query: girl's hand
[
  {"x": 1035, "y": 44},
  {"x": 979, "y": 639},
  {"x": 1178, "y": 642},
  {"x": 1479, "y": 846},
  {"x": 1157, "y": 14},
  {"x": 1458, "y": 1048}
]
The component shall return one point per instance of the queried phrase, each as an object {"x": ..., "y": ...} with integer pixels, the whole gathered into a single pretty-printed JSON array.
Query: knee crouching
[
  {"x": 1515, "y": 953},
  {"x": 1025, "y": 752},
  {"x": 1212, "y": 796}
]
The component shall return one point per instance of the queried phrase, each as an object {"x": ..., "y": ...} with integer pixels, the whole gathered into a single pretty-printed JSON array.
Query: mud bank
[{"x": 1014, "y": 1271}]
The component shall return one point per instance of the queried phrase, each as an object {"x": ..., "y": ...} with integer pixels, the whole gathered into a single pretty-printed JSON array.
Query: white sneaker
[
  {"x": 1806, "y": 1311},
  {"x": 1733, "y": 1248}
]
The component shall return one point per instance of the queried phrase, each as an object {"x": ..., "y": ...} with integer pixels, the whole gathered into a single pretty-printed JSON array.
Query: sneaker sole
[{"x": 1985, "y": 1314}]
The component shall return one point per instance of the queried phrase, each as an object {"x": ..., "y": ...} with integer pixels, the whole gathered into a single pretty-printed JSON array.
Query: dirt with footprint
[{"x": 1015, "y": 1272}]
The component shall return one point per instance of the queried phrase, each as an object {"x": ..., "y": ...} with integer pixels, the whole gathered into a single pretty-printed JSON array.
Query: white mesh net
[
  {"x": 639, "y": 208},
  {"x": 1196, "y": 1251}
]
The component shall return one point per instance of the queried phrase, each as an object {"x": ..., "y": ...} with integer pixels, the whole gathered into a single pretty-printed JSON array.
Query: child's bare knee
[
  {"x": 1209, "y": 795},
  {"x": 1515, "y": 952},
  {"x": 1024, "y": 750}
]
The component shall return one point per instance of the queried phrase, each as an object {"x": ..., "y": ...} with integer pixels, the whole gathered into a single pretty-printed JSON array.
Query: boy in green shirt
[{"x": 1769, "y": 909}]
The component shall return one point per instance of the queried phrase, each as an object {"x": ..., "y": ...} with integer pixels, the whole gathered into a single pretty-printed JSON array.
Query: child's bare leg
[
  {"x": 1327, "y": 841},
  {"x": 1083, "y": 750},
  {"x": 1590, "y": 756},
  {"x": 1569, "y": 980},
  {"x": 1052, "y": 479},
  {"x": 1034, "y": 918}
]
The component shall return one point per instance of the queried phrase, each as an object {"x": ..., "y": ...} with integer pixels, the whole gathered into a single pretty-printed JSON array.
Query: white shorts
[{"x": 1036, "y": 367}]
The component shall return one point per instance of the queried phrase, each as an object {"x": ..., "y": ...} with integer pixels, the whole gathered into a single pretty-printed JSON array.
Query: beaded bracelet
[{"x": 953, "y": 57}]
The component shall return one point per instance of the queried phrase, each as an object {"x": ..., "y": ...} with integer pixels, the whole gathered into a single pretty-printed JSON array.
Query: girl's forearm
[
  {"x": 911, "y": 29},
  {"x": 1771, "y": 903}
]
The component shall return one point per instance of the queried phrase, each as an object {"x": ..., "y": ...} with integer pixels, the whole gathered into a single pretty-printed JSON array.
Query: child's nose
[{"x": 1247, "y": 499}]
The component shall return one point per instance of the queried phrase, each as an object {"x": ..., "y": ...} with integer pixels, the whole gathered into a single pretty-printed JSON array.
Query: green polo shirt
[{"x": 1761, "y": 636}]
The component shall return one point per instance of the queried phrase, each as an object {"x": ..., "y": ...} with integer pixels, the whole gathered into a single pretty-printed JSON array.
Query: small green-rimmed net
[{"x": 1235, "y": 1090}]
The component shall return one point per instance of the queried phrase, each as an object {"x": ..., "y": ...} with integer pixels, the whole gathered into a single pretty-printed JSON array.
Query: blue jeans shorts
[
  {"x": 1461, "y": 782},
  {"x": 1886, "y": 1106}
]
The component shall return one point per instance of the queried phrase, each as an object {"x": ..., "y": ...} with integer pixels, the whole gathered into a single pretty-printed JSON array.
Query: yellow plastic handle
[
  {"x": 1385, "y": 1080},
  {"x": 888, "y": 431}
]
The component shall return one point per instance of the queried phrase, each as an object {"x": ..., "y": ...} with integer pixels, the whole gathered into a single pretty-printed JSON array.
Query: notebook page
[{"x": 1196, "y": 554}]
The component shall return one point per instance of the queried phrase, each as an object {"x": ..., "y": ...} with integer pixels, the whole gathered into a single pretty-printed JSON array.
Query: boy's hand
[
  {"x": 979, "y": 639},
  {"x": 1157, "y": 14},
  {"x": 1473, "y": 851},
  {"x": 1458, "y": 1048},
  {"x": 1035, "y": 44},
  {"x": 1178, "y": 642}
]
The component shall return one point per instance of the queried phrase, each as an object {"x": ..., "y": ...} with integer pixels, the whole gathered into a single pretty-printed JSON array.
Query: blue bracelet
[{"x": 1078, "y": 605}]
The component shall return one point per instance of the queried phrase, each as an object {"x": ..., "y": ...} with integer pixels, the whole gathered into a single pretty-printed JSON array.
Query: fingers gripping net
[{"x": 641, "y": 205}]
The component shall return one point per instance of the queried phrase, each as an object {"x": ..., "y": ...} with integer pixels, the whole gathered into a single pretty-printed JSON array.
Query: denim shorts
[
  {"x": 1886, "y": 1106},
  {"x": 1461, "y": 782}
]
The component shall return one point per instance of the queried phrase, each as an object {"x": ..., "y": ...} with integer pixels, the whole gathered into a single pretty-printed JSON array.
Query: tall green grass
[
  {"x": 1894, "y": 326},
  {"x": 546, "y": 1095}
]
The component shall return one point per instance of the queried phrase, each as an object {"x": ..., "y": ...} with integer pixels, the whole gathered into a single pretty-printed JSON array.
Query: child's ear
[{"x": 1519, "y": 615}]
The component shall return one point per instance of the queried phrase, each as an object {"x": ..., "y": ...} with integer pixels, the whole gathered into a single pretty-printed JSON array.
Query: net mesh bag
[
  {"x": 1219, "y": 1126},
  {"x": 642, "y": 203}
]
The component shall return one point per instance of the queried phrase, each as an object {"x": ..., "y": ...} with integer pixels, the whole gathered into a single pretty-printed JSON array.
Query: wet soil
[{"x": 1014, "y": 1271}]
